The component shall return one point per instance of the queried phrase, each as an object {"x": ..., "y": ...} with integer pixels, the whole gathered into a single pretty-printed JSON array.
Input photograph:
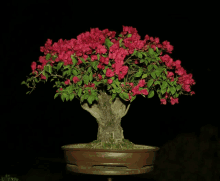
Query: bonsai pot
[{"x": 97, "y": 161}]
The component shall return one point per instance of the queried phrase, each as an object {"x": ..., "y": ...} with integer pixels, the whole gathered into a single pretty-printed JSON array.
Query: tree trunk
[{"x": 108, "y": 116}]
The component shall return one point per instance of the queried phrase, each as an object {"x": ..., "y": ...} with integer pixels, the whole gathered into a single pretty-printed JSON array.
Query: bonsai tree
[{"x": 104, "y": 72}]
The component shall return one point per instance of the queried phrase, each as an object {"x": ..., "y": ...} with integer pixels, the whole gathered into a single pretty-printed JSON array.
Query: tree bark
[{"x": 108, "y": 116}]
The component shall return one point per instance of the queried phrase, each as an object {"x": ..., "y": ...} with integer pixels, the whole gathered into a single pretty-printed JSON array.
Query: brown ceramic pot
[{"x": 109, "y": 162}]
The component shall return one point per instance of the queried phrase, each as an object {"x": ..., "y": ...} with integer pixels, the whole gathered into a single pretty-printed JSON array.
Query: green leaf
[
  {"x": 176, "y": 95},
  {"x": 139, "y": 73},
  {"x": 95, "y": 64},
  {"x": 124, "y": 95},
  {"x": 70, "y": 89},
  {"x": 74, "y": 72},
  {"x": 63, "y": 96},
  {"x": 96, "y": 83},
  {"x": 113, "y": 85},
  {"x": 117, "y": 82},
  {"x": 98, "y": 56},
  {"x": 116, "y": 89},
  {"x": 151, "y": 94},
  {"x": 82, "y": 98},
  {"x": 56, "y": 95},
  {"x": 69, "y": 71},
  {"x": 171, "y": 83},
  {"x": 71, "y": 78},
  {"x": 91, "y": 98},
  {"x": 143, "y": 60},
  {"x": 79, "y": 83},
  {"x": 27, "y": 92},
  {"x": 54, "y": 85},
  {"x": 120, "y": 42},
  {"x": 173, "y": 90},
  {"x": 119, "y": 90},
  {"x": 178, "y": 87},
  {"x": 113, "y": 91},
  {"x": 155, "y": 67},
  {"x": 36, "y": 80},
  {"x": 150, "y": 82},
  {"x": 104, "y": 71},
  {"x": 134, "y": 53},
  {"x": 144, "y": 53},
  {"x": 86, "y": 95},
  {"x": 59, "y": 65},
  {"x": 113, "y": 97},
  {"x": 58, "y": 83},
  {"x": 82, "y": 59},
  {"x": 54, "y": 57},
  {"x": 164, "y": 77},
  {"x": 158, "y": 72},
  {"x": 108, "y": 43},
  {"x": 79, "y": 92},
  {"x": 163, "y": 90},
  {"x": 89, "y": 69},
  {"x": 139, "y": 55},
  {"x": 23, "y": 82},
  {"x": 149, "y": 60},
  {"x": 67, "y": 97},
  {"x": 46, "y": 76},
  {"x": 48, "y": 56},
  {"x": 164, "y": 85},
  {"x": 150, "y": 67},
  {"x": 48, "y": 68},
  {"x": 94, "y": 92},
  {"x": 86, "y": 79},
  {"x": 66, "y": 66},
  {"x": 65, "y": 72},
  {"x": 91, "y": 76},
  {"x": 28, "y": 80},
  {"x": 144, "y": 76},
  {"x": 151, "y": 51},
  {"x": 129, "y": 35},
  {"x": 96, "y": 98},
  {"x": 153, "y": 74},
  {"x": 157, "y": 82},
  {"x": 74, "y": 60},
  {"x": 43, "y": 73}
]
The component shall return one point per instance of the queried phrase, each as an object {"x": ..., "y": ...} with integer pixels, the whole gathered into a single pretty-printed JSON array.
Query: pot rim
[{"x": 80, "y": 146}]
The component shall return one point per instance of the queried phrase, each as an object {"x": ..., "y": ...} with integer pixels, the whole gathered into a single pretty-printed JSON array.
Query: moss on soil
[{"x": 124, "y": 145}]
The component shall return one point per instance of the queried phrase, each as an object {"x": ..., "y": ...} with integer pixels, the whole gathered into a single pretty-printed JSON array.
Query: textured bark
[{"x": 108, "y": 116}]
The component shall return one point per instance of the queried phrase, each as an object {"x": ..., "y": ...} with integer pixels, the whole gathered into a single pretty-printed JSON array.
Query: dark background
[{"x": 39, "y": 124}]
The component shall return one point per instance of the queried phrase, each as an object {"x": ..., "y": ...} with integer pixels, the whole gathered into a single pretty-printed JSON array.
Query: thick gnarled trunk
[{"x": 108, "y": 116}]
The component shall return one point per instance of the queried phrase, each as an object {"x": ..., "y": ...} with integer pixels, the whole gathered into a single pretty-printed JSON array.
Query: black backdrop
[{"x": 39, "y": 122}]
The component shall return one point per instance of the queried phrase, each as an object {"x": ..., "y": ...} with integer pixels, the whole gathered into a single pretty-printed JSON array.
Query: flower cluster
[{"x": 100, "y": 51}]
